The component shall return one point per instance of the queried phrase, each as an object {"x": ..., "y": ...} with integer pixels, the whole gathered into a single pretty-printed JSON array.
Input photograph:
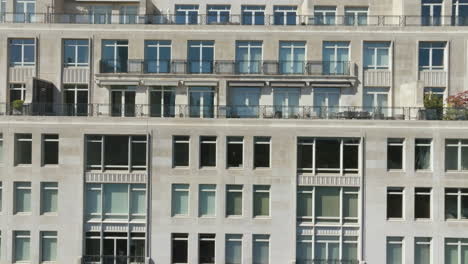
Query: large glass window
[
  {"x": 114, "y": 56},
  {"x": 356, "y": 16},
  {"x": 180, "y": 154},
  {"x": 208, "y": 151},
  {"x": 261, "y": 249},
  {"x": 21, "y": 246},
  {"x": 395, "y": 203},
  {"x": 207, "y": 200},
  {"x": 422, "y": 203},
  {"x": 186, "y": 14},
  {"x": 249, "y": 56},
  {"x": 48, "y": 246},
  {"x": 200, "y": 56},
  {"x": 25, "y": 11},
  {"x": 285, "y": 15},
  {"x": 423, "y": 154},
  {"x": 218, "y": 14},
  {"x": 158, "y": 56},
  {"x": 456, "y": 154},
  {"x": 326, "y": 102},
  {"x": 456, "y": 250},
  {"x": 76, "y": 53},
  {"x": 179, "y": 248},
  {"x": 128, "y": 14},
  {"x": 23, "y": 149},
  {"x": 22, "y": 52},
  {"x": 123, "y": 100},
  {"x": 253, "y": 15},
  {"x": 162, "y": 101},
  {"x": 50, "y": 149},
  {"x": 49, "y": 197},
  {"x": 116, "y": 246},
  {"x": 394, "y": 250},
  {"x": 201, "y": 101},
  {"x": 336, "y": 57},
  {"x": 395, "y": 153},
  {"x": 262, "y": 154},
  {"x": 292, "y": 57},
  {"x": 22, "y": 193},
  {"x": 180, "y": 199},
  {"x": 431, "y": 12},
  {"x": 206, "y": 248},
  {"x": 233, "y": 249},
  {"x": 327, "y": 248},
  {"x": 115, "y": 202},
  {"x": 377, "y": 55},
  {"x": 432, "y": 55},
  {"x": 261, "y": 198},
  {"x": 324, "y": 15},
  {"x": 116, "y": 152},
  {"x": 460, "y": 12},
  {"x": 456, "y": 204},
  {"x": 422, "y": 250},
  {"x": 235, "y": 152},
  {"x": 234, "y": 200},
  {"x": 286, "y": 102},
  {"x": 244, "y": 102}
]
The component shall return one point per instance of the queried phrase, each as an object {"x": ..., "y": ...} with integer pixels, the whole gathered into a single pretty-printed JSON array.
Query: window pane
[
  {"x": 234, "y": 200},
  {"x": 22, "y": 197},
  {"x": 394, "y": 253},
  {"x": 451, "y": 254},
  {"x": 116, "y": 200},
  {"x": 328, "y": 202},
  {"x": 261, "y": 200},
  {"x": 22, "y": 246},
  {"x": 49, "y": 197},
  {"x": 49, "y": 246},
  {"x": 394, "y": 203},
  {"x": 304, "y": 202},
  {"x": 233, "y": 249},
  {"x": 328, "y": 154},
  {"x": 451, "y": 207},
  {"x": 422, "y": 252},
  {"x": 261, "y": 249},
  {"x": 138, "y": 200},
  {"x": 207, "y": 200},
  {"x": 181, "y": 151},
  {"x": 350, "y": 251},
  {"x": 350, "y": 205},
  {"x": 180, "y": 195}
]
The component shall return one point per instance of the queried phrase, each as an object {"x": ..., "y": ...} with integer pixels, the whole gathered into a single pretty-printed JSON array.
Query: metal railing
[
  {"x": 232, "y": 111},
  {"x": 227, "y": 67},
  {"x": 325, "y": 261},
  {"x": 235, "y": 19},
  {"x": 113, "y": 260}
]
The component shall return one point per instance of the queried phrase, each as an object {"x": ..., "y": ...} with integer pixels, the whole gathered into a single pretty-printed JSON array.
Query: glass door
[
  {"x": 76, "y": 100},
  {"x": 123, "y": 103},
  {"x": 292, "y": 57},
  {"x": 115, "y": 248},
  {"x": 286, "y": 102},
  {"x": 326, "y": 102},
  {"x": 335, "y": 58},
  {"x": 201, "y": 102},
  {"x": 431, "y": 12},
  {"x": 162, "y": 102},
  {"x": 201, "y": 56},
  {"x": 245, "y": 102},
  {"x": 249, "y": 56}
]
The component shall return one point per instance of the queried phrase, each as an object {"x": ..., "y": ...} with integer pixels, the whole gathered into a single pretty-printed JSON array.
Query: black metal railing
[
  {"x": 113, "y": 260},
  {"x": 227, "y": 67},
  {"x": 233, "y": 111},
  {"x": 235, "y": 19},
  {"x": 325, "y": 261}
]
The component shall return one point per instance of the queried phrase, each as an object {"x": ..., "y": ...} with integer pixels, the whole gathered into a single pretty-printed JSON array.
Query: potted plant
[
  {"x": 433, "y": 105},
  {"x": 17, "y": 106},
  {"x": 458, "y": 106}
]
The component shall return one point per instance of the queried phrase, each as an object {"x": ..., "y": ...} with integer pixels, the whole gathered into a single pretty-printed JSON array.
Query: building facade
[{"x": 237, "y": 132}]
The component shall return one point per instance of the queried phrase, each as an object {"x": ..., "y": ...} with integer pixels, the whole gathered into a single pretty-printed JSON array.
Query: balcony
[
  {"x": 113, "y": 260},
  {"x": 225, "y": 67},
  {"x": 268, "y": 112}
]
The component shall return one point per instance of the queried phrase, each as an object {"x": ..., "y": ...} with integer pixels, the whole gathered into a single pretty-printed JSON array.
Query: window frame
[
  {"x": 258, "y": 190},
  {"x": 431, "y": 46},
  {"x": 234, "y": 188},
  {"x": 262, "y": 140},
  {"x": 208, "y": 141},
  {"x": 23, "y": 46},
  {"x": 461, "y": 143},
  {"x": 402, "y": 144},
  {"x": 431, "y": 153},
  {"x": 182, "y": 188},
  {"x": 180, "y": 140},
  {"x": 235, "y": 140},
  {"x": 76, "y": 44},
  {"x": 395, "y": 191},
  {"x": 375, "y": 47},
  {"x": 423, "y": 191},
  {"x": 47, "y": 138},
  {"x": 48, "y": 186},
  {"x": 459, "y": 193}
]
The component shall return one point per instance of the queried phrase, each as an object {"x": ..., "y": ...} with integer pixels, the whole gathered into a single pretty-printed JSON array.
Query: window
[
  {"x": 332, "y": 155},
  {"x": 48, "y": 246},
  {"x": 200, "y": 56},
  {"x": 249, "y": 56},
  {"x": 1, "y": 198},
  {"x": 377, "y": 55},
  {"x": 207, "y": 200},
  {"x": 456, "y": 250},
  {"x": 206, "y": 246},
  {"x": 305, "y": 198},
  {"x": 235, "y": 152},
  {"x": 186, "y": 14},
  {"x": 261, "y": 249},
  {"x": 114, "y": 56},
  {"x": 76, "y": 53},
  {"x": 262, "y": 147},
  {"x": 456, "y": 204},
  {"x": 326, "y": 102},
  {"x": 422, "y": 250},
  {"x": 285, "y": 15},
  {"x": 327, "y": 247},
  {"x": 128, "y": 14},
  {"x": 17, "y": 92},
  {"x": 261, "y": 201},
  {"x": 436, "y": 92},
  {"x": 162, "y": 101},
  {"x": 356, "y": 16},
  {"x": 180, "y": 199},
  {"x": 2, "y": 154},
  {"x": 253, "y": 15},
  {"x": 376, "y": 102},
  {"x": 456, "y": 154},
  {"x": 22, "y": 202},
  {"x": 158, "y": 56},
  {"x": 394, "y": 250},
  {"x": 234, "y": 200},
  {"x": 304, "y": 249},
  {"x": 114, "y": 246},
  {"x": 218, "y": 14},
  {"x": 49, "y": 197},
  {"x": 115, "y": 202},
  {"x": 335, "y": 57},
  {"x": 422, "y": 203},
  {"x": 123, "y": 100},
  {"x": 181, "y": 153},
  {"x": 423, "y": 154},
  {"x": 23, "y": 149},
  {"x": 116, "y": 152},
  {"x": 50, "y": 149},
  {"x": 292, "y": 57},
  {"x": 208, "y": 151},
  {"x": 179, "y": 248},
  {"x": 432, "y": 55},
  {"x": 233, "y": 249},
  {"x": 22, "y": 52},
  {"x": 431, "y": 12},
  {"x": 75, "y": 99},
  {"x": 25, "y": 11},
  {"x": 325, "y": 15},
  {"x": 245, "y": 102},
  {"x": 327, "y": 207},
  {"x": 350, "y": 249},
  {"x": 21, "y": 246},
  {"x": 100, "y": 14},
  {"x": 286, "y": 102},
  {"x": 460, "y": 12},
  {"x": 394, "y": 203},
  {"x": 2, "y": 10},
  {"x": 201, "y": 102},
  {"x": 395, "y": 153}
]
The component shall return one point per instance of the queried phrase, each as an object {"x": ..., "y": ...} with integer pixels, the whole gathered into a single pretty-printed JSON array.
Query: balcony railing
[
  {"x": 235, "y": 19},
  {"x": 227, "y": 67},
  {"x": 113, "y": 260},
  {"x": 236, "y": 112},
  {"x": 325, "y": 261}
]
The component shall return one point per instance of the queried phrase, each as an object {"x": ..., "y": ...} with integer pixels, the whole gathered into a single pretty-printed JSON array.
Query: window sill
[
  {"x": 457, "y": 220},
  {"x": 181, "y": 216},
  {"x": 423, "y": 220},
  {"x": 235, "y": 168},
  {"x": 208, "y": 217},
  {"x": 234, "y": 217},
  {"x": 23, "y": 165},
  {"x": 49, "y": 214},
  {"x": 262, "y": 168},
  {"x": 423, "y": 171},
  {"x": 50, "y": 165},
  {"x": 23, "y": 214},
  {"x": 395, "y": 170},
  {"x": 396, "y": 219},
  {"x": 181, "y": 167},
  {"x": 208, "y": 168},
  {"x": 262, "y": 217}
]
